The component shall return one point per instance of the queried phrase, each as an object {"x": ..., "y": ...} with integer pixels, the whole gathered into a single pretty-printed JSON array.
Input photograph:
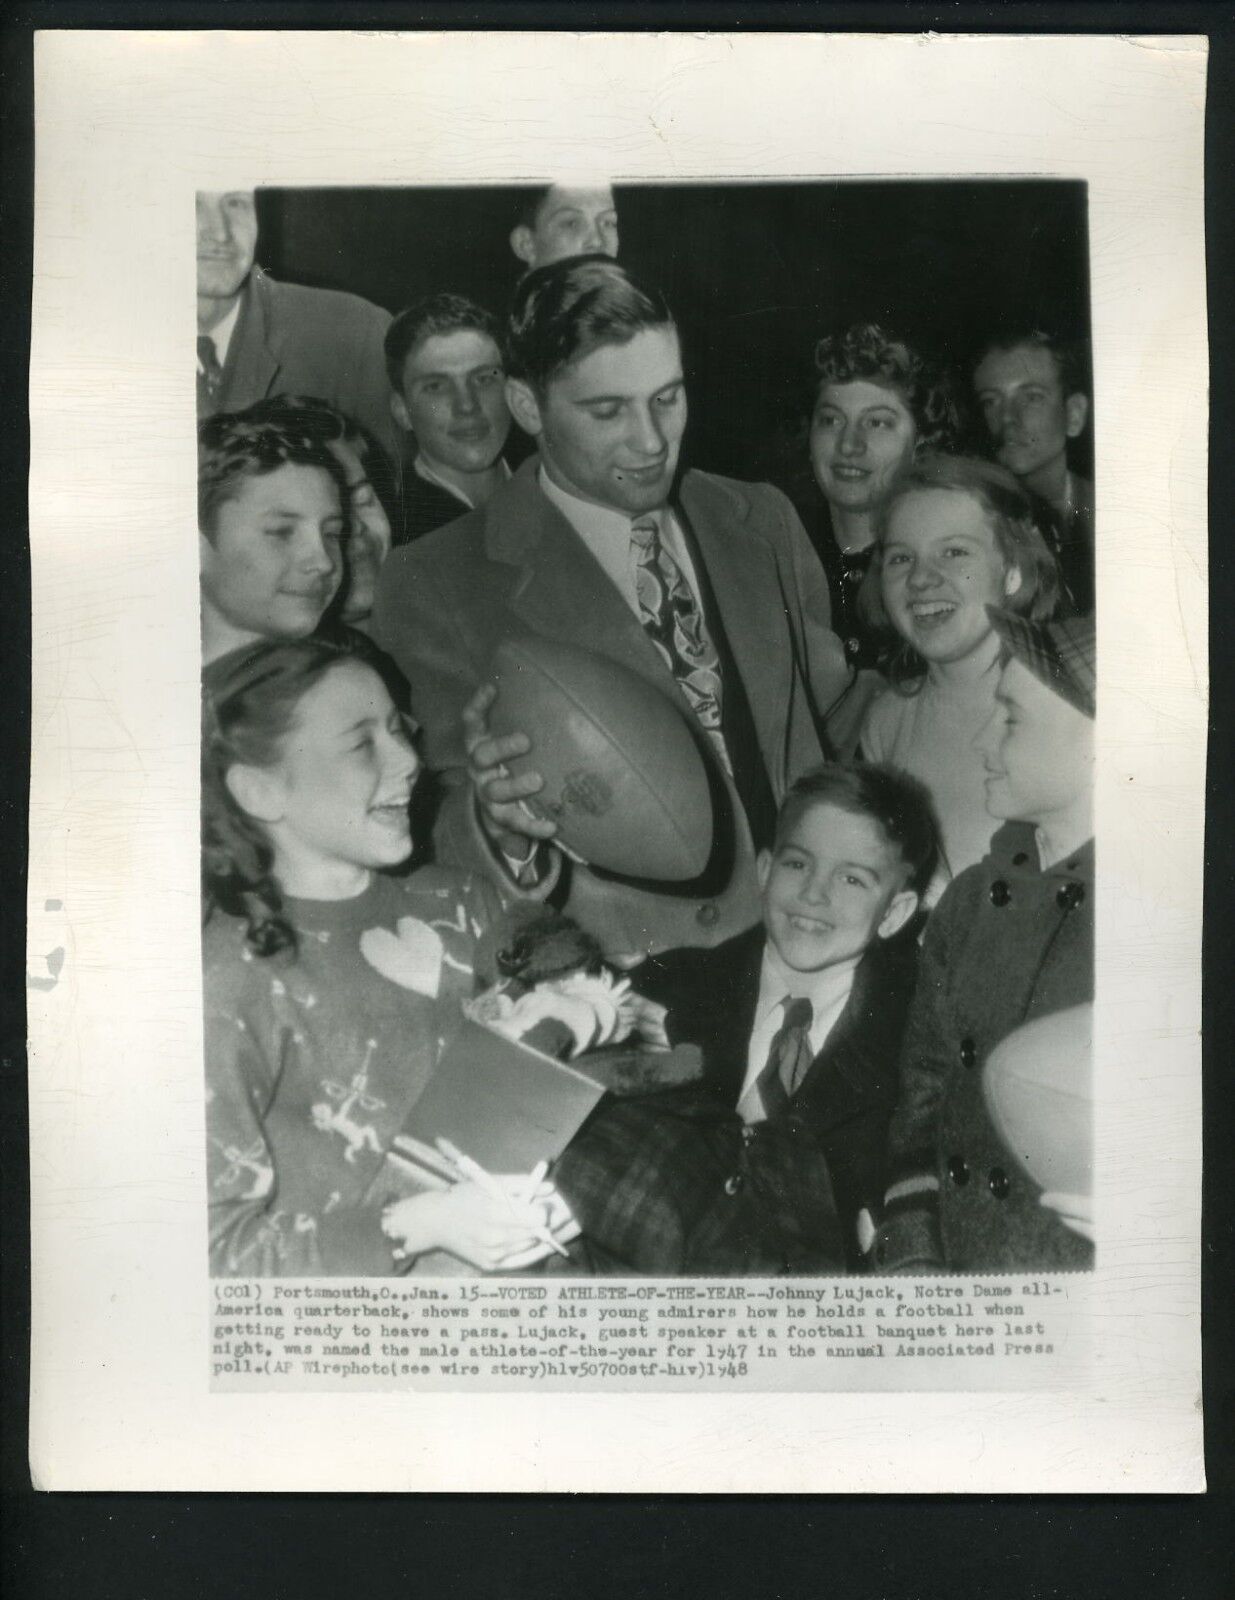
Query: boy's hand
[
  {"x": 648, "y": 1019},
  {"x": 512, "y": 827},
  {"x": 487, "y": 1232}
]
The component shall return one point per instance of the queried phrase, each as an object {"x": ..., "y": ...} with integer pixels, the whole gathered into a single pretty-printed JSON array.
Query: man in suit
[
  {"x": 776, "y": 1162},
  {"x": 1033, "y": 401},
  {"x": 257, "y": 337},
  {"x": 708, "y": 582}
]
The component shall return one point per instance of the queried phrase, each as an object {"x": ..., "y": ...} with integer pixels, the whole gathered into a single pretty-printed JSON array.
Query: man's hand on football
[{"x": 500, "y": 798}]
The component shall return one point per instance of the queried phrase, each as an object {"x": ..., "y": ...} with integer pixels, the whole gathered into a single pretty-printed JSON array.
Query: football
[
  {"x": 1038, "y": 1084},
  {"x": 624, "y": 780}
]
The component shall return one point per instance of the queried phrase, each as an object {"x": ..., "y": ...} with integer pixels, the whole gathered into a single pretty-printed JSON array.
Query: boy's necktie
[
  {"x": 789, "y": 1057},
  {"x": 210, "y": 372},
  {"x": 673, "y": 620}
]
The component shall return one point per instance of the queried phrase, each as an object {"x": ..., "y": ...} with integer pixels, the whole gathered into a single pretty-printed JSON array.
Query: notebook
[{"x": 503, "y": 1103}]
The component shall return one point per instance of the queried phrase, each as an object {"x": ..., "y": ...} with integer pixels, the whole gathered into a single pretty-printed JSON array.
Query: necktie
[
  {"x": 789, "y": 1057},
  {"x": 209, "y": 373},
  {"x": 673, "y": 620}
]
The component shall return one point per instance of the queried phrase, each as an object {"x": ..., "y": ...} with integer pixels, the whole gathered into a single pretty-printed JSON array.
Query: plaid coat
[{"x": 676, "y": 1182}]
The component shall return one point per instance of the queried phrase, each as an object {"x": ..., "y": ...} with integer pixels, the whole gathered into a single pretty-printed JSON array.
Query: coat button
[
  {"x": 853, "y": 646},
  {"x": 969, "y": 1052},
  {"x": 958, "y": 1171},
  {"x": 708, "y": 914},
  {"x": 997, "y": 1183},
  {"x": 1020, "y": 858},
  {"x": 733, "y": 1184},
  {"x": 1000, "y": 893},
  {"x": 1070, "y": 896},
  {"x": 748, "y": 1134}
]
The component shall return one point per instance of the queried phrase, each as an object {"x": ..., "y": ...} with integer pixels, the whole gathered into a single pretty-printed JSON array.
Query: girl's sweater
[{"x": 314, "y": 1060}]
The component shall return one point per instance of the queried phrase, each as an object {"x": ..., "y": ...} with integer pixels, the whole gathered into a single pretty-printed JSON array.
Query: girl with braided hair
[{"x": 331, "y": 981}]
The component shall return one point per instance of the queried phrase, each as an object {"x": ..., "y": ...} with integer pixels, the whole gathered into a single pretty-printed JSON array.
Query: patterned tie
[
  {"x": 209, "y": 373},
  {"x": 789, "y": 1057},
  {"x": 673, "y": 621}
]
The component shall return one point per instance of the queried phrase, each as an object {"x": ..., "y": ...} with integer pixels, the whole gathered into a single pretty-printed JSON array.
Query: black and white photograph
[
  {"x": 610, "y": 923},
  {"x": 718, "y": 560}
]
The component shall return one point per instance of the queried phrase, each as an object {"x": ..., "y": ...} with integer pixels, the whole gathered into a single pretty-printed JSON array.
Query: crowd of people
[{"x": 895, "y": 710}]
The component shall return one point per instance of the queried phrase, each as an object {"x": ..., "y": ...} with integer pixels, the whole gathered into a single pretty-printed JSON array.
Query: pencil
[{"x": 486, "y": 1181}]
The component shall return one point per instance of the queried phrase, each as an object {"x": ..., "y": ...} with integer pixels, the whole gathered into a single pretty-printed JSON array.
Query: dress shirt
[
  {"x": 221, "y": 334},
  {"x": 606, "y": 533},
  {"x": 828, "y": 992}
]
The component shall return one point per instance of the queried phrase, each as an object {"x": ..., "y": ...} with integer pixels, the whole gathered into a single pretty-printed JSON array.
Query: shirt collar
[
  {"x": 598, "y": 523},
  {"x": 777, "y": 983},
  {"x": 1015, "y": 848},
  {"x": 221, "y": 333}
]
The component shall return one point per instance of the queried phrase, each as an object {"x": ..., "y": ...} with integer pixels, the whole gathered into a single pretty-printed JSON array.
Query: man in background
[
  {"x": 257, "y": 337},
  {"x": 558, "y": 220},
  {"x": 1033, "y": 402},
  {"x": 448, "y": 397}
]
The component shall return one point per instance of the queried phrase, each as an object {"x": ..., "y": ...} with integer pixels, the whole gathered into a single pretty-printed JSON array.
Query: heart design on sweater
[{"x": 410, "y": 957}]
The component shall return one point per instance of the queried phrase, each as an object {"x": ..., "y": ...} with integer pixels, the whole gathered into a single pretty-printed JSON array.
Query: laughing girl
[
  {"x": 956, "y": 536},
  {"x": 330, "y": 981}
]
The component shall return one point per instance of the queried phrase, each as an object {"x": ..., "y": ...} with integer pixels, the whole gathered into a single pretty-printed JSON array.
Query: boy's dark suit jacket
[
  {"x": 675, "y": 1182},
  {"x": 426, "y": 506}
]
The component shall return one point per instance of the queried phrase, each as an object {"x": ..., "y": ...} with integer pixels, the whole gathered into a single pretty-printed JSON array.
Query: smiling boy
[
  {"x": 448, "y": 398},
  {"x": 771, "y": 1162}
]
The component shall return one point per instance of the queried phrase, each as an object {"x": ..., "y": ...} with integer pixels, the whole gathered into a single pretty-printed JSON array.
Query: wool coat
[{"x": 1008, "y": 942}]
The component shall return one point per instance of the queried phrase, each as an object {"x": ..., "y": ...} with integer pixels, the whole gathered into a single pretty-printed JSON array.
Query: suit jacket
[
  {"x": 518, "y": 567},
  {"x": 290, "y": 339},
  {"x": 846, "y": 1099},
  {"x": 426, "y": 507},
  {"x": 676, "y": 1182}
]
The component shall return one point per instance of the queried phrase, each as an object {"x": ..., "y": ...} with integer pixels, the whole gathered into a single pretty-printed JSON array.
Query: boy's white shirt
[{"x": 828, "y": 992}]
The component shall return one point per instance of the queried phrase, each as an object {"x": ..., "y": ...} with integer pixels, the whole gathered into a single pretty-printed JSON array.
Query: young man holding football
[{"x": 706, "y": 586}]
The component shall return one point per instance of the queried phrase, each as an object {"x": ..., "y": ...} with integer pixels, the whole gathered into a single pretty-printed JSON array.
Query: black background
[
  {"x": 286, "y": 1547},
  {"x": 755, "y": 274}
]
